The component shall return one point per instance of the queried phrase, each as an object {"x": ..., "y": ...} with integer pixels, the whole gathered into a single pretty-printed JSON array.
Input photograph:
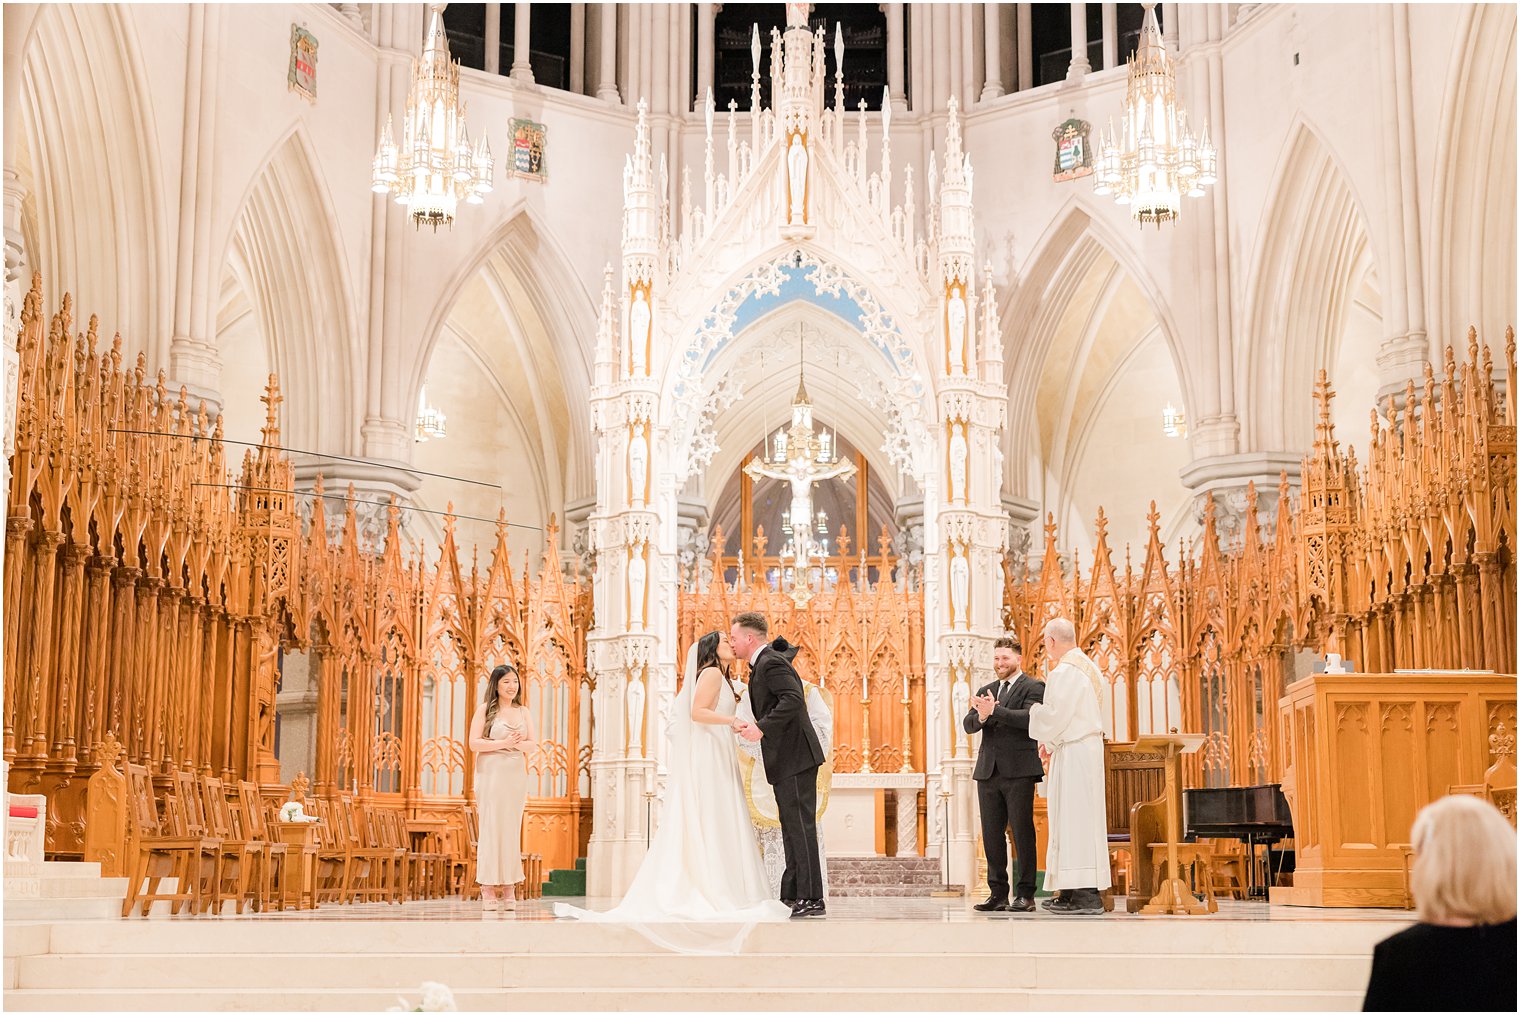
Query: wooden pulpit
[{"x": 1172, "y": 894}]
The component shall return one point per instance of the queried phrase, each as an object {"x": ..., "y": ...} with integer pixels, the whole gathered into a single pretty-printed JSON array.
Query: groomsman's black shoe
[
  {"x": 991, "y": 906},
  {"x": 1020, "y": 906}
]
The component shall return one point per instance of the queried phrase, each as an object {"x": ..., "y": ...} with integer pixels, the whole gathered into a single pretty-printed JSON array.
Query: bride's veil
[{"x": 679, "y": 729}]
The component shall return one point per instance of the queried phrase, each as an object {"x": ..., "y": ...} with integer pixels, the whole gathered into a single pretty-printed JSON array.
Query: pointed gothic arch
[
  {"x": 695, "y": 393},
  {"x": 284, "y": 253},
  {"x": 551, "y": 318},
  {"x": 93, "y": 219},
  {"x": 1315, "y": 268},
  {"x": 1471, "y": 256},
  {"x": 1077, "y": 247}
]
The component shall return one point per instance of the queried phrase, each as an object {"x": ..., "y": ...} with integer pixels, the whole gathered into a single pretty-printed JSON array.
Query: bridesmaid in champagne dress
[{"x": 501, "y": 731}]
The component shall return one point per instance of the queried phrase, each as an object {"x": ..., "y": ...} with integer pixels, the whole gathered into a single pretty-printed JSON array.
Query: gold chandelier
[
  {"x": 434, "y": 167},
  {"x": 1156, "y": 160}
]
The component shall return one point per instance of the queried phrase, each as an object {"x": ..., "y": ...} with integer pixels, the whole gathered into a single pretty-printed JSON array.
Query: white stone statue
[
  {"x": 796, "y": 173},
  {"x": 958, "y": 454},
  {"x": 957, "y": 315},
  {"x": 960, "y": 587},
  {"x": 637, "y": 575},
  {"x": 638, "y": 334},
  {"x": 960, "y": 695},
  {"x": 635, "y": 716},
  {"x": 638, "y": 466}
]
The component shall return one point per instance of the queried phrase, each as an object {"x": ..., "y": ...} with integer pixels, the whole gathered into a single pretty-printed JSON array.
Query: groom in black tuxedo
[{"x": 791, "y": 753}]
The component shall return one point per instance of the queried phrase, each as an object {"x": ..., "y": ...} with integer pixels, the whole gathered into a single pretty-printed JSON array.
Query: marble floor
[{"x": 923, "y": 910}]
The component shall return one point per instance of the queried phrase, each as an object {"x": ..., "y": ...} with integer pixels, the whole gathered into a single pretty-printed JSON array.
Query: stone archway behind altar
[{"x": 799, "y": 209}]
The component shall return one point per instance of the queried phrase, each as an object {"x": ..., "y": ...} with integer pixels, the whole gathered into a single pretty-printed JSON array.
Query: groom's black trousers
[{"x": 797, "y": 807}]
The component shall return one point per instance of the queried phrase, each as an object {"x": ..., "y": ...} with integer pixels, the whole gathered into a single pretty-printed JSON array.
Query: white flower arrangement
[
  {"x": 294, "y": 810},
  {"x": 435, "y": 997}
]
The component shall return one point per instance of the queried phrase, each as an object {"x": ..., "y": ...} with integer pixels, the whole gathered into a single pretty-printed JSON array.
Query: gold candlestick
[{"x": 865, "y": 735}]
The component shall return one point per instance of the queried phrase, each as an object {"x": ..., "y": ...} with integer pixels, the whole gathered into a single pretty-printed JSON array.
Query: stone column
[
  {"x": 493, "y": 39},
  {"x": 992, "y": 40},
  {"x": 522, "y": 42},
  {"x": 1110, "y": 36},
  {"x": 1217, "y": 430},
  {"x": 193, "y": 359},
  {"x": 632, "y": 647},
  {"x": 1025, "y": 34},
  {"x": 907, "y": 822},
  {"x": 19, "y": 19},
  {"x": 966, "y": 528},
  {"x": 606, "y": 85},
  {"x": 1403, "y": 352},
  {"x": 706, "y": 16},
  {"x": 388, "y": 419},
  {"x": 296, "y": 703},
  {"x": 938, "y": 55},
  {"x": 578, "y": 48},
  {"x": 894, "y": 14},
  {"x": 1168, "y": 24},
  {"x": 1079, "y": 66}
]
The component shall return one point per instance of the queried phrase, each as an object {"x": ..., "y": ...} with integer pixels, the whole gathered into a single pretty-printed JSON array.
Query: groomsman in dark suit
[{"x": 1007, "y": 769}]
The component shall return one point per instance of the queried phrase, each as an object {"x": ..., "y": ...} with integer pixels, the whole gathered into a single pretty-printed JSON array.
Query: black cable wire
[{"x": 313, "y": 454}]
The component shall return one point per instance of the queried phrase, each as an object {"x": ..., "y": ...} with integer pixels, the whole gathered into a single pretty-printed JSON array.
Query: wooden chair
[
  {"x": 188, "y": 817},
  {"x": 469, "y": 848},
  {"x": 334, "y": 862},
  {"x": 239, "y": 857},
  {"x": 154, "y": 852},
  {"x": 532, "y": 886},
  {"x": 1227, "y": 871},
  {"x": 429, "y": 865},
  {"x": 384, "y": 833},
  {"x": 273, "y": 856},
  {"x": 372, "y": 873}
]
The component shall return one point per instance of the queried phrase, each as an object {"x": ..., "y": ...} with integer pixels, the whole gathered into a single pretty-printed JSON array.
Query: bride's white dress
[{"x": 701, "y": 887}]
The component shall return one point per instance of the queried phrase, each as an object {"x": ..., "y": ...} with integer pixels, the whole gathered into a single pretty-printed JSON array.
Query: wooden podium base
[{"x": 1173, "y": 897}]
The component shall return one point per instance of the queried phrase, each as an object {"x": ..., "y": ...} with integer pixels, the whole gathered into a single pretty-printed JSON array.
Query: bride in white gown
[{"x": 701, "y": 887}]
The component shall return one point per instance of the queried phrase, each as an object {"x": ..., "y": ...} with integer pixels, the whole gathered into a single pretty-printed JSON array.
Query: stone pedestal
[{"x": 852, "y": 817}]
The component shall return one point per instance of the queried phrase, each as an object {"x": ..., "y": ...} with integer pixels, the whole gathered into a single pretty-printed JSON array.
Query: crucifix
[{"x": 802, "y": 458}]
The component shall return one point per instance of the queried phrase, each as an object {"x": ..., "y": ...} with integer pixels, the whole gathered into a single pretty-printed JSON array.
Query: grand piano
[{"x": 1255, "y": 815}]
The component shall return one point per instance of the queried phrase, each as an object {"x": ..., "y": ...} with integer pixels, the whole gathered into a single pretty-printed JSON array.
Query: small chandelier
[
  {"x": 1156, "y": 160},
  {"x": 1173, "y": 422},
  {"x": 431, "y": 424},
  {"x": 434, "y": 167}
]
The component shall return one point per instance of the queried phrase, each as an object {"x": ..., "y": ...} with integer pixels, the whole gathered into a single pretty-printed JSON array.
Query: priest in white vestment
[{"x": 1069, "y": 728}]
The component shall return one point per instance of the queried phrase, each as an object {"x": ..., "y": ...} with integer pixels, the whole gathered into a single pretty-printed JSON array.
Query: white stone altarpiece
[{"x": 794, "y": 194}]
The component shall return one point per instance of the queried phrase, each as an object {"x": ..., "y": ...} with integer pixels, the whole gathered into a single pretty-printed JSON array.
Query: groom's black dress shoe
[
  {"x": 1020, "y": 906},
  {"x": 808, "y": 907},
  {"x": 991, "y": 906}
]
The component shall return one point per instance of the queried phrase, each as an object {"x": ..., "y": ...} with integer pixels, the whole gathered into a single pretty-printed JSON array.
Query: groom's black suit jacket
[{"x": 789, "y": 746}]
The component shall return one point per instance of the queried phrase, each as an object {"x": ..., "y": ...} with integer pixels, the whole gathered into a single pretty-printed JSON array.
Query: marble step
[
  {"x": 81, "y": 907},
  {"x": 581, "y": 998},
  {"x": 1035, "y": 934},
  {"x": 69, "y": 886},
  {"x": 334, "y": 970}
]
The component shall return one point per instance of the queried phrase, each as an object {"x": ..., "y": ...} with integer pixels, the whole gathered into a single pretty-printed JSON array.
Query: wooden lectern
[{"x": 1172, "y": 895}]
